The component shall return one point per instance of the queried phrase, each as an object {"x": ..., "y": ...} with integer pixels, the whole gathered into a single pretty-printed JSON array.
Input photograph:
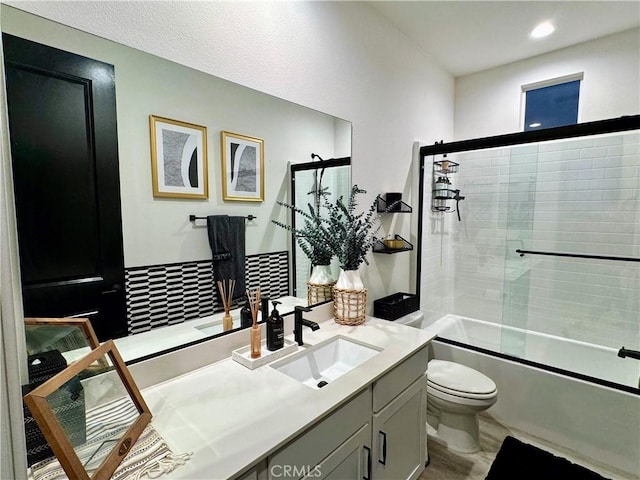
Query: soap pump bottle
[
  {"x": 275, "y": 329},
  {"x": 246, "y": 318}
]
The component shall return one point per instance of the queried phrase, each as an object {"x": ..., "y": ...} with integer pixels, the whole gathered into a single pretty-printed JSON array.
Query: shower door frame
[{"x": 621, "y": 124}]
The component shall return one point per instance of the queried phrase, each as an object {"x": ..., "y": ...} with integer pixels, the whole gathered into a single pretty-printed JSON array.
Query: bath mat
[{"x": 518, "y": 460}]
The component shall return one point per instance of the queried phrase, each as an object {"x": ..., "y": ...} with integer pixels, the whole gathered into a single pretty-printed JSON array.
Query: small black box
[{"x": 395, "y": 306}]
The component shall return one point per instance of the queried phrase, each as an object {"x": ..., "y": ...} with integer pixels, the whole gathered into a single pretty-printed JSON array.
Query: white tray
[{"x": 243, "y": 355}]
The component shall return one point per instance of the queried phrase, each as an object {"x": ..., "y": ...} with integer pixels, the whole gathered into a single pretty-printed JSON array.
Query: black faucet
[{"x": 299, "y": 322}]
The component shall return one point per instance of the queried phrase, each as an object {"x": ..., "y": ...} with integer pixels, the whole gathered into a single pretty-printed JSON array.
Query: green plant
[
  {"x": 312, "y": 236},
  {"x": 350, "y": 234}
]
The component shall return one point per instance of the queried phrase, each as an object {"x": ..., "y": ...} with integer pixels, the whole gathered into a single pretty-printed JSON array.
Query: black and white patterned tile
[{"x": 160, "y": 295}]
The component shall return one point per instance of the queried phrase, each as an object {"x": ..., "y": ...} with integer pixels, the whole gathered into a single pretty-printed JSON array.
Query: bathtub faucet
[{"x": 624, "y": 352}]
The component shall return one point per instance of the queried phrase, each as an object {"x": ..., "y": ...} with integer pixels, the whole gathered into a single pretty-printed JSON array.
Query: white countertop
[{"x": 231, "y": 417}]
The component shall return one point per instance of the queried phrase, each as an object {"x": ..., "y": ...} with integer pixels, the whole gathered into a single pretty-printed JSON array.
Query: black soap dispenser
[
  {"x": 275, "y": 329},
  {"x": 246, "y": 318},
  {"x": 264, "y": 308}
]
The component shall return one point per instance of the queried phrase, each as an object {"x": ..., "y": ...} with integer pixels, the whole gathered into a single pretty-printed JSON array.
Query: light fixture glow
[
  {"x": 542, "y": 30},
  {"x": 534, "y": 125}
]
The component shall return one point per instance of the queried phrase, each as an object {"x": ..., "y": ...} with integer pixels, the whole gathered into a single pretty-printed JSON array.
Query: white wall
[
  {"x": 489, "y": 103},
  {"x": 339, "y": 58}
]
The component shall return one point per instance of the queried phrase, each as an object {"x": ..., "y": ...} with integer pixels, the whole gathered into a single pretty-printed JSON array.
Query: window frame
[{"x": 549, "y": 83}]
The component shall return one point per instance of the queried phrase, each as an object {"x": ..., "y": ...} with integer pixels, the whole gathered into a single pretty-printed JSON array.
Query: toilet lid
[{"x": 459, "y": 378}]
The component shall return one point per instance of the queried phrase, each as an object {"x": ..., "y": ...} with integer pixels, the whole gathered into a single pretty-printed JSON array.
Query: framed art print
[
  {"x": 242, "y": 168},
  {"x": 178, "y": 158}
]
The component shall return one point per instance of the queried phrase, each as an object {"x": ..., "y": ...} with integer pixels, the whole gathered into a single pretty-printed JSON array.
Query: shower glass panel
[
  {"x": 520, "y": 214},
  {"x": 577, "y": 196}
]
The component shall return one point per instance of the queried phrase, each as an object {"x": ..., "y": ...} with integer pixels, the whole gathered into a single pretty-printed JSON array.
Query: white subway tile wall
[{"x": 573, "y": 196}]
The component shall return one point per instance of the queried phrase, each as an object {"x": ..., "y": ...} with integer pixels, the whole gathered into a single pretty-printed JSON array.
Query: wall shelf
[
  {"x": 380, "y": 247},
  {"x": 394, "y": 207}
]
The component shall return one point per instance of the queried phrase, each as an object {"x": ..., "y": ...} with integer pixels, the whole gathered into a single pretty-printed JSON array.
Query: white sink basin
[{"x": 325, "y": 361}]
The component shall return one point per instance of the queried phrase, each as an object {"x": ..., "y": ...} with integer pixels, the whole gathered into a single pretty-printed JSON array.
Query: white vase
[
  {"x": 350, "y": 280},
  {"x": 321, "y": 275}
]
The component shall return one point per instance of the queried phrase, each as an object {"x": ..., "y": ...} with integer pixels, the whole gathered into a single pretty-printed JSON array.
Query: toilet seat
[{"x": 459, "y": 381}]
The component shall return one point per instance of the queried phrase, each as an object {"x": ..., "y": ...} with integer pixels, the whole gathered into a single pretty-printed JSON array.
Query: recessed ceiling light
[{"x": 542, "y": 30}]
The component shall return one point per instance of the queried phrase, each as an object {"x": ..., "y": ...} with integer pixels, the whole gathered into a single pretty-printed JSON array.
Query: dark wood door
[{"x": 62, "y": 122}]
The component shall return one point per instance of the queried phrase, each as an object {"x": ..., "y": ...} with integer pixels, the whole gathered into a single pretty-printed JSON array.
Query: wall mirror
[{"x": 159, "y": 239}]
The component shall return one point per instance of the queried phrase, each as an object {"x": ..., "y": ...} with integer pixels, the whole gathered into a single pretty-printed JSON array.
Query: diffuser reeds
[
  {"x": 256, "y": 339},
  {"x": 225, "y": 287}
]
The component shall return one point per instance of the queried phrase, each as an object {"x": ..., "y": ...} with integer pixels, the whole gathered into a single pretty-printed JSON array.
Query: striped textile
[{"x": 106, "y": 424}]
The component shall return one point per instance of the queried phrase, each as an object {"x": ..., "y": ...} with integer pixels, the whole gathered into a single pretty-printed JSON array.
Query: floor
[{"x": 448, "y": 465}]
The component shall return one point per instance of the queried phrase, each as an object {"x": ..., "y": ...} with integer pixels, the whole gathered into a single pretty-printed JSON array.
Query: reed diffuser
[
  {"x": 256, "y": 338},
  {"x": 226, "y": 293}
]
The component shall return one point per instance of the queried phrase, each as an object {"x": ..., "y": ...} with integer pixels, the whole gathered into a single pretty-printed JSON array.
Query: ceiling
[{"x": 471, "y": 36}]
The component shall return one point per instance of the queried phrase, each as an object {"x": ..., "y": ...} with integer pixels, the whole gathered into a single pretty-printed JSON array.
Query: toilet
[{"x": 455, "y": 396}]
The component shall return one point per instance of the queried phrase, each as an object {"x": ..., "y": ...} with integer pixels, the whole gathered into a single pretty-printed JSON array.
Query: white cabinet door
[
  {"x": 351, "y": 460},
  {"x": 258, "y": 472},
  {"x": 399, "y": 435},
  {"x": 321, "y": 440}
]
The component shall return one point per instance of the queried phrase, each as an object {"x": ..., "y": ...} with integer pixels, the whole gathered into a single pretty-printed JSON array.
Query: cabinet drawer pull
[
  {"x": 383, "y": 437},
  {"x": 368, "y": 476}
]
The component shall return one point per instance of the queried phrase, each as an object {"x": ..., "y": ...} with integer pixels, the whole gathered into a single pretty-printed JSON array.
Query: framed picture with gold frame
[
  {"x": 242, "y": 167},
  {"x": 91, "y": 414},
  {"x": 178, "y": 158}
]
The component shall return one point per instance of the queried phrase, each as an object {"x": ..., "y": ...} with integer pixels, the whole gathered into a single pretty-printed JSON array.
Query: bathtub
[{"x": 557, "y": 393}]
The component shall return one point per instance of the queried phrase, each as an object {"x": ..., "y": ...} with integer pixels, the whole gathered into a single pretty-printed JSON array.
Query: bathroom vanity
[{"x": 263, "y": 424}]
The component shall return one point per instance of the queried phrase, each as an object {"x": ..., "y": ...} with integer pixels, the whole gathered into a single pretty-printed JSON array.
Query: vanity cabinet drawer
[
  {"x": 314, "y": 445},
  {"x": 393, "y": 383}
]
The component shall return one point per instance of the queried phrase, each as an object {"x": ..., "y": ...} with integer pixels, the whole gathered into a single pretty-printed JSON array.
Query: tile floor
[{"x": 448, "y": 465}]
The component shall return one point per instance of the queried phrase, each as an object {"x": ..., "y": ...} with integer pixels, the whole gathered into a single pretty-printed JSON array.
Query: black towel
[{"x": 226, "y": 238}]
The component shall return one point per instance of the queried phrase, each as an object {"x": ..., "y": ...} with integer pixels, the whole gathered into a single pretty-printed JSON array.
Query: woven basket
[
  {"x": 349, "y": 306},
  {"x": 318, "y": 293}
]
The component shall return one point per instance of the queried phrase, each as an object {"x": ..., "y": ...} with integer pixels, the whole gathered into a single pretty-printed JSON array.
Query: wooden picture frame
[
  {"x": 242, "y": 168},
  {"x": 178, "y": 159},
  {"x": 53, "y": 432},
  {"x": 84, "y": 324}
]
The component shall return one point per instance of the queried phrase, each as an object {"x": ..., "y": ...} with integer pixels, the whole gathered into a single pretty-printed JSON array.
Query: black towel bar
[
  {"x": 193, "y": 218},
  {"x": 578, "y": 255}
]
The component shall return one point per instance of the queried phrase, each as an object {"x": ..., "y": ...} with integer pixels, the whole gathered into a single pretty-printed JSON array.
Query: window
[{"x": 551, "y": 105}]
